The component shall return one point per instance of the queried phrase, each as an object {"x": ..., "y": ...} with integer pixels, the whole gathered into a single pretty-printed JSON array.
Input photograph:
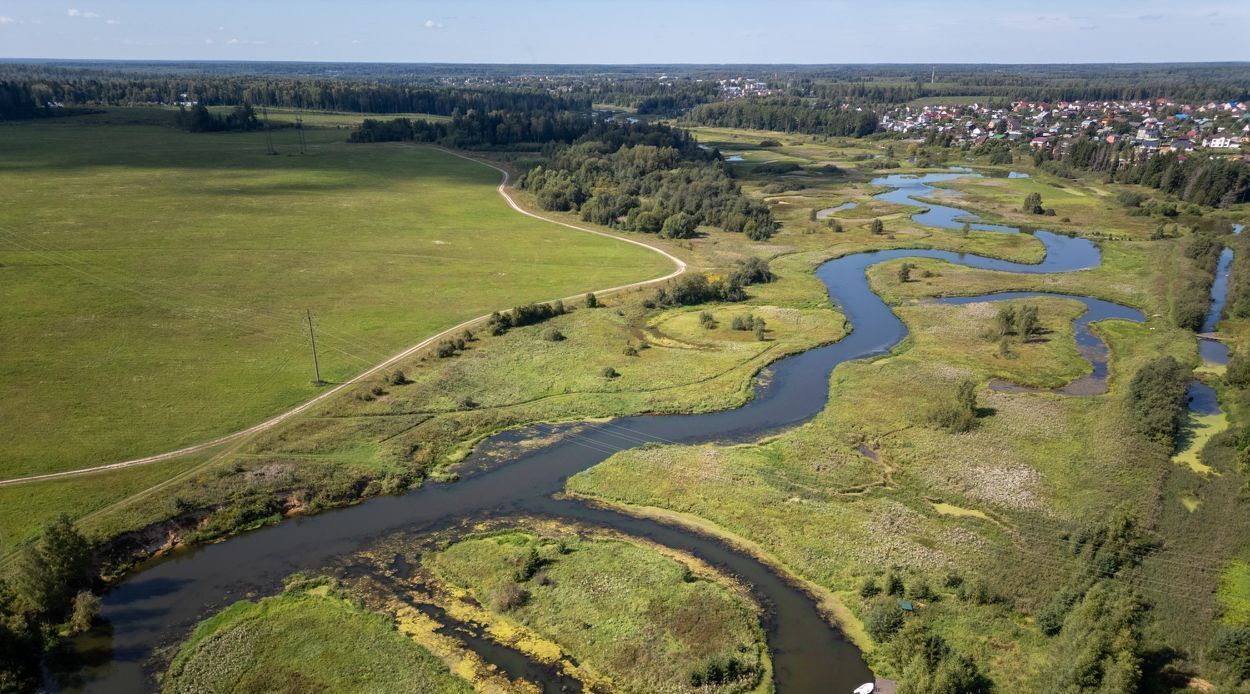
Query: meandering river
[{"x": 158, "y": 603}]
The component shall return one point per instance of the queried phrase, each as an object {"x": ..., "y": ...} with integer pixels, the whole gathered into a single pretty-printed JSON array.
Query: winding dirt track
[{"x": 455, "y": 329}]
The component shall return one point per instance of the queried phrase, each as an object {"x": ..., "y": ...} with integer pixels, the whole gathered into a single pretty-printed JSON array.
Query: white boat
[{"x": 865, "y": 688}]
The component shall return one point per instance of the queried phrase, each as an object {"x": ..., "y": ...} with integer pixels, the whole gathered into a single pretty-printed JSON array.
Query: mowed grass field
[{"x": 156, "y": 282}]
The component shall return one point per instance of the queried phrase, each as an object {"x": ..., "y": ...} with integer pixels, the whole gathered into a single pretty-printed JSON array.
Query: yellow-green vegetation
[
  {"x": 157, "y": 281},
  {"x": 643, "y": 620},
  {"x": 1235, "y": 593},
  {"x": 958, "y": 511},
  {"x": 1199, "y": 430},
  {"x": 307, "y": 639}
]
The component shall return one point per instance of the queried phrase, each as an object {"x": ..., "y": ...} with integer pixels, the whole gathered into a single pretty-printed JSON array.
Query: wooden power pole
[{"x": 312, "y": 337}]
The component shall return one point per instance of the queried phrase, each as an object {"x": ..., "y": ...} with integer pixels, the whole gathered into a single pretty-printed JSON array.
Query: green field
[
  {"x": 156, "y": 282},
  {"x": 304, "y": 641}
]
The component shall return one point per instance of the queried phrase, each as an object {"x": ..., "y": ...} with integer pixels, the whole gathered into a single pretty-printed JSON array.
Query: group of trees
[
  {"x": 529, "y": 314},
  {"x": 47, "y": 593},
  {"x": 1211, "y": 181},
  {"x": 787, "y": 115},
  {"x": 1096, "y": 617},
  {"x": 648, "y": 178},
  {"x": 18, "y": 101},
  {"x": 1192, "y": 300},
  {"x": 1033, "y": 205},
  {"x": 1238, "y": 300},
  {"x": 1157, "y": 399},
  {"x": 198, "y": 119},
  {"x": 694, "y": 288},
  {"x": 475, "y": 129}
]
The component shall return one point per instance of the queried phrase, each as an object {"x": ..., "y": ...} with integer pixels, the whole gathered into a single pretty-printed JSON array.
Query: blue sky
[{"x": 640, "y": 31}]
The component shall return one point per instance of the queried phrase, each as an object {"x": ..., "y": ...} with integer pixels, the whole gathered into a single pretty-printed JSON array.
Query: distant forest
[
  {"x": 650, "y": 89},
  {"x": 22, "y": 97},
  {"x": 787, "y": 115}
]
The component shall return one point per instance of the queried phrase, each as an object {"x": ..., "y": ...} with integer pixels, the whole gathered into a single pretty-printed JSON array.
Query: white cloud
[
  {"x": 7, "y": 20},
  {"x": 431, "y": 24},
  {"x": 208, "y": 41},
  {"x": 111, "y": 21},
  {"x": 355, "y": 42},
  {"x": 221, "y": 28},
  {"x": 81, "y": 13},
  {"x": 90, "y": 15},
  {"x": 72, "y": 12}
]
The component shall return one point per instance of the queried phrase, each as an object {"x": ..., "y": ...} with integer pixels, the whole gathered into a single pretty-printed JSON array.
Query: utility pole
[
  {"x": 264, "y": 112},
  {"x": 312, "y": 337},
  {"x": 299, "y": 125}
]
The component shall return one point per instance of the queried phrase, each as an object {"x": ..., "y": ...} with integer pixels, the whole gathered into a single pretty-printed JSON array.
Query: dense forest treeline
[
  {"x": 325, "y": 95},
  {"x": 480, "y": 129},
  {"x": 786, "y": 115},
  {"x": 658, "y": 89},
  {"x": 1211, "y": 181}
]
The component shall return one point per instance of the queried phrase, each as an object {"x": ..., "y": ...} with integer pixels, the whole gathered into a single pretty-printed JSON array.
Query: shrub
[
  {"x": 445, "y": 349},
  {"x": 397, "y": 378},
  {"x": 775, "y": 168},
  {"x": 707, "y": 320},
  {"x": 769, "y": 143},
  {"x": 869, "y": 588},
  {"x": 752, "y": 270},
  {"x": 1033, "y": 204},
  {"x": 877, "y": 227},
  {"x": 609, "y": 372},
  {"x": 904, "y": 272},
  {"x": 883, "y": 620},
  {"x": 82, "y": 615},
  {"x": 498, "y": 323},
  {"x": 507, "y": 596},
  {"x": 553, "y": 335},
  {"x": 718, "y": 672},
  {"x": 1232, "y": 648},
  {"x": 679, "y": 226},
  {"x": 1238, "y": 370},
  {"x": 959, "y": 415},
  {"x": 759, "y": 330},
  {"x": 592, "y": 301}
]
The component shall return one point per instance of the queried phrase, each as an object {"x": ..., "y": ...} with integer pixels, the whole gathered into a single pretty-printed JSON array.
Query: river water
[
  {"x": 1214, "y": 351},
  {"x": 160, "y": 601}
]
